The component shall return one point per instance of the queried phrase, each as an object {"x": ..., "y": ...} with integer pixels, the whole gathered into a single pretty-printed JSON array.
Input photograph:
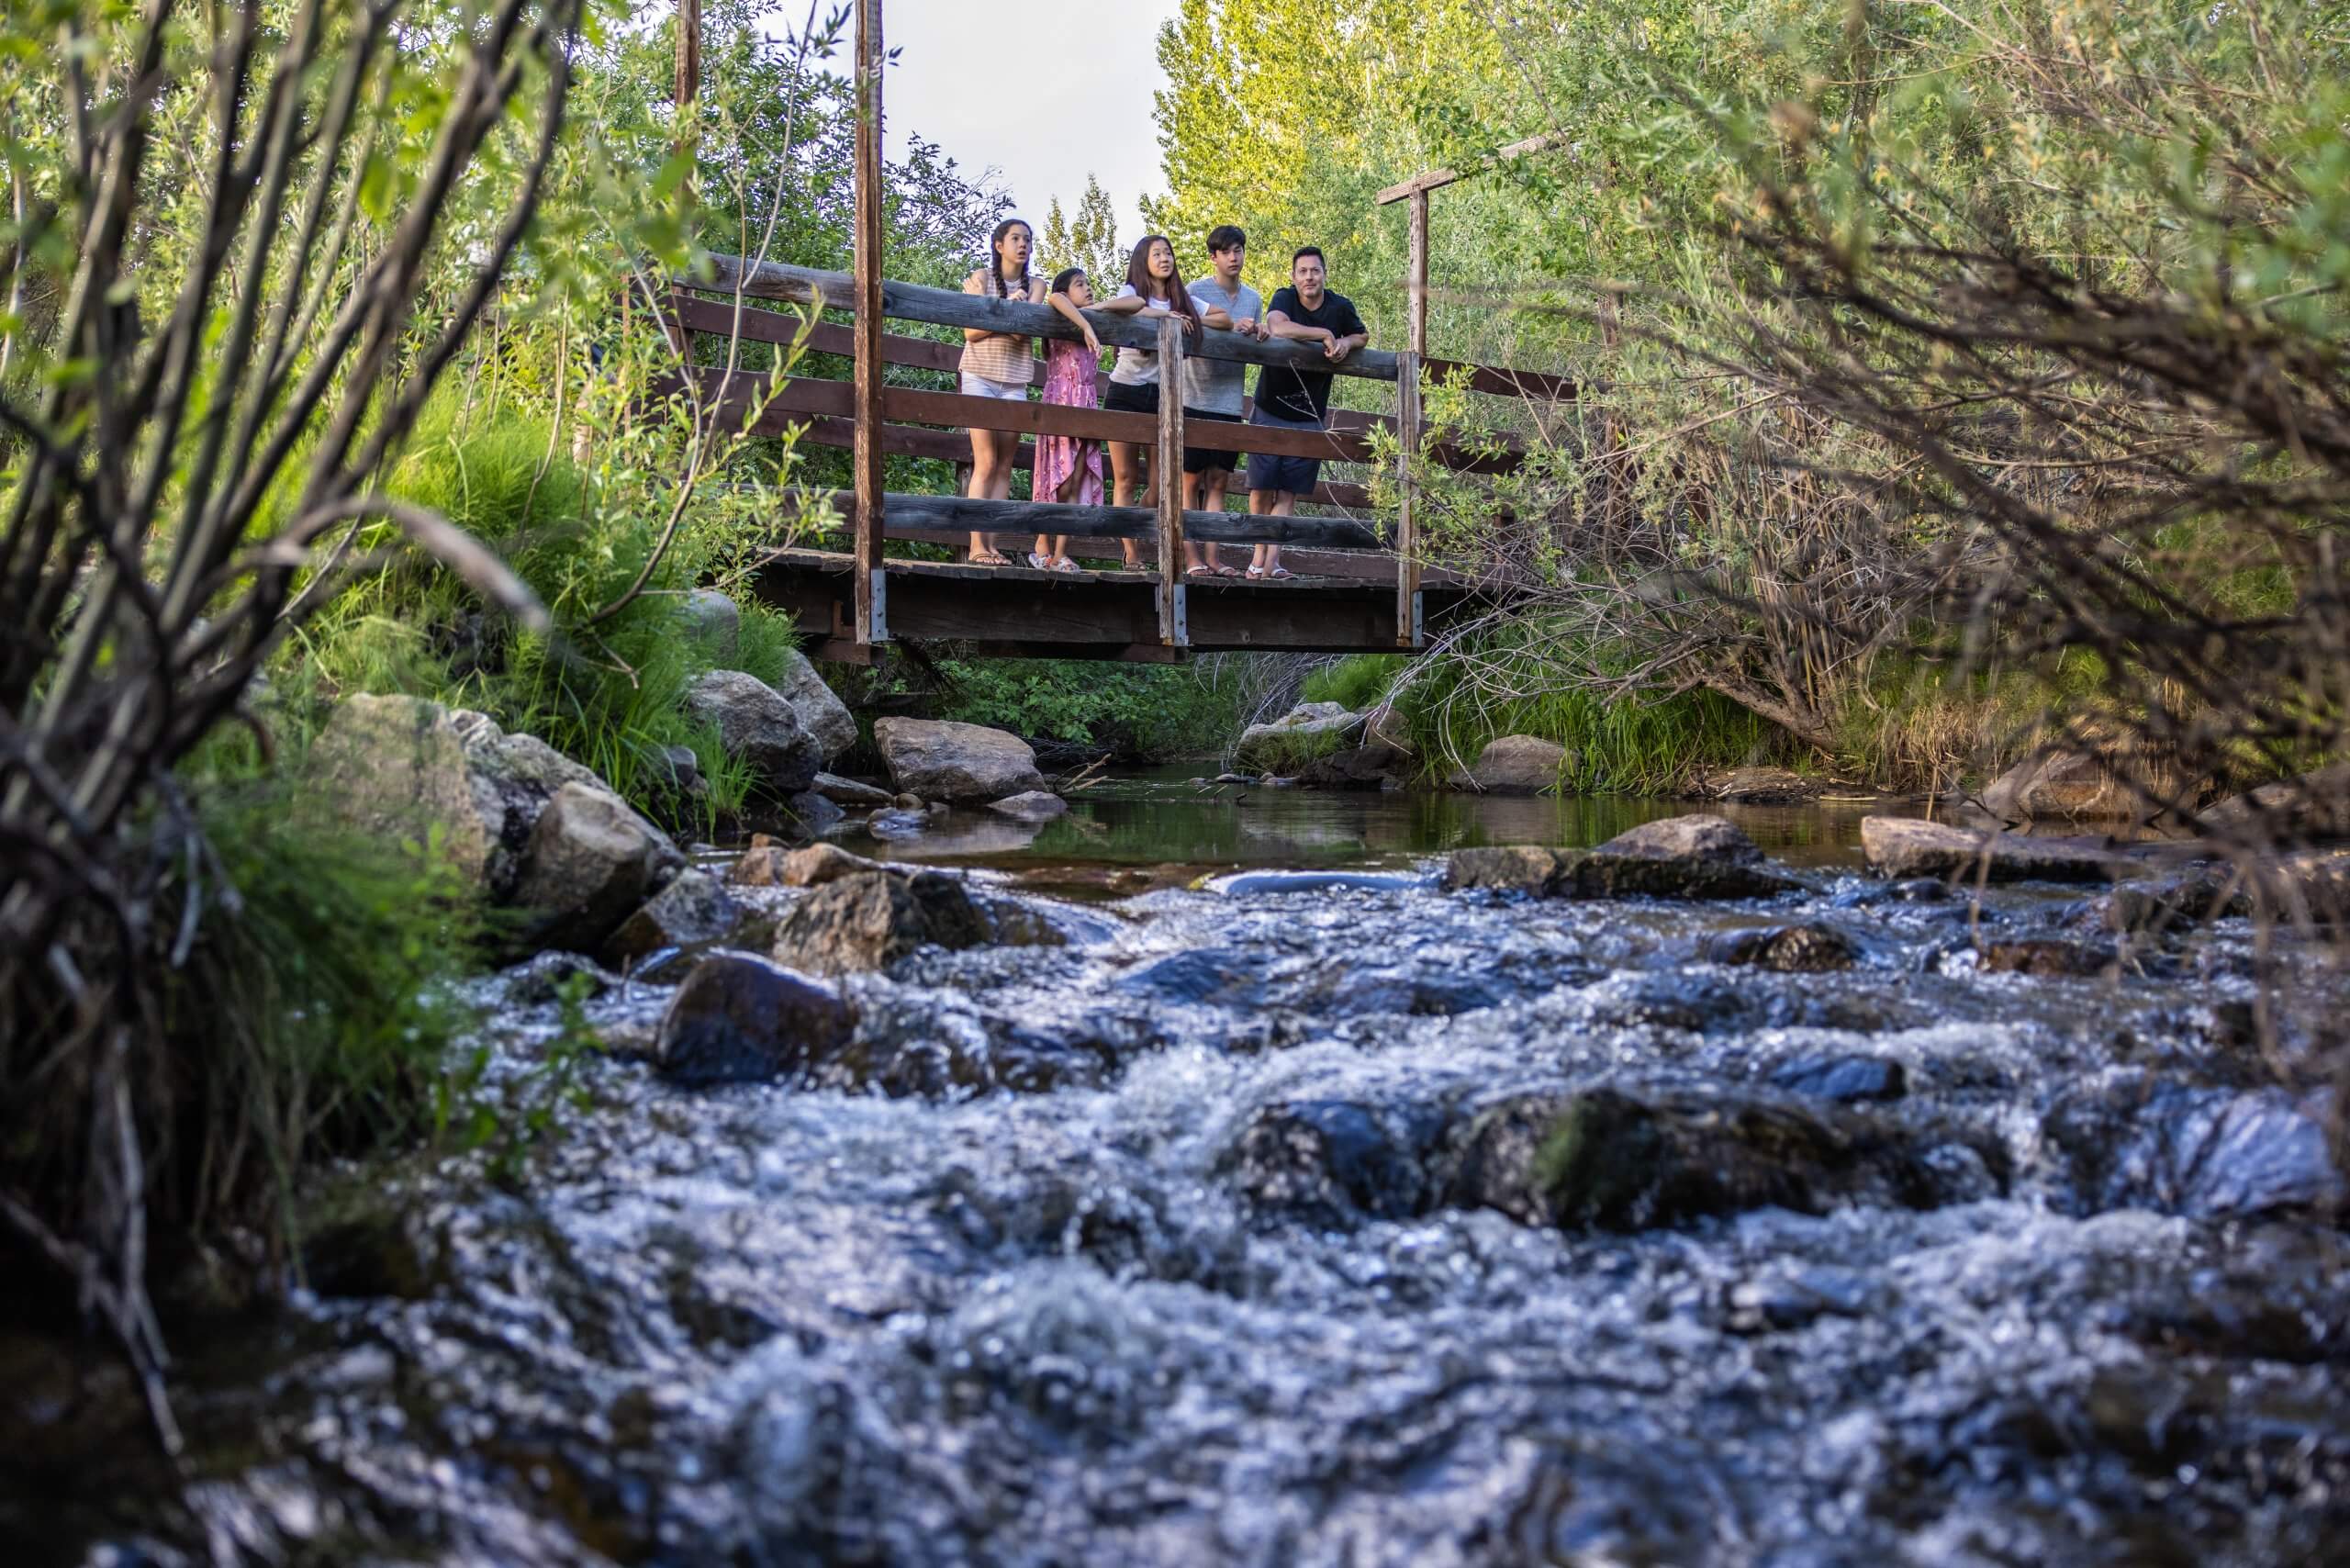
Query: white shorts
[{"x": 980, "y": 387}]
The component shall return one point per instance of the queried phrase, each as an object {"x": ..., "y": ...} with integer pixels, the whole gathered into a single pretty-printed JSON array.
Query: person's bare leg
[
  {"x": 1211, "y": 488},
  {"x": 1260, "y": 504},
  {"x": 1125, "y": 474},
  {"x": 1284, "y": 505},
  {"x": 1196, "y": 557},
  {"x": 982, "y": 488}
]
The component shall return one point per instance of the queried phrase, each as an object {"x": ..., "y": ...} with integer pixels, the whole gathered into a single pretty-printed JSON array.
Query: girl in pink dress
[{"x": 1068, "y": 469}]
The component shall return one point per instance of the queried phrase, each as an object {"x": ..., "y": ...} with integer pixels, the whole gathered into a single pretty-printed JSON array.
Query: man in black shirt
[{"x": 1297, "y": 399}]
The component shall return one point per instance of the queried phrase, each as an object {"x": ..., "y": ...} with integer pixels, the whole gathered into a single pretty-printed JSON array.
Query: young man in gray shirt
[{"x": 1214, "y": 389}]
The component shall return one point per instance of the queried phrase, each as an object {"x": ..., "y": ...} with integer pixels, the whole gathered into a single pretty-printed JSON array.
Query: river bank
[{"x": 1212, "y": 1238}]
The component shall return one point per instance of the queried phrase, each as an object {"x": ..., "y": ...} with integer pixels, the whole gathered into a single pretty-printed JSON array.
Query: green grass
[
  {"x": 607, "y": 695},
  {"x": 1355, "y": 682},
  {"x": 1622, "y": 744}
]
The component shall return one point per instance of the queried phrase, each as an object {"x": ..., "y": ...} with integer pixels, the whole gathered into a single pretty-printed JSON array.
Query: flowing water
[{"x": 1217, "y": 1246}]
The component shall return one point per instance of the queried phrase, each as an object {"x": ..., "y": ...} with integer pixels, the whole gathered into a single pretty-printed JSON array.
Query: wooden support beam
[
  {"x": 1408, "y": 625},
  {"x": 1166, "y": 472},
  {"x": 965, "y": 515},
  {"x": 872, "y": 614},
  {"x": 1420, "y": 184},
  {"x": 952, "y": 308},
  {"x": 1418, "y": 282}
]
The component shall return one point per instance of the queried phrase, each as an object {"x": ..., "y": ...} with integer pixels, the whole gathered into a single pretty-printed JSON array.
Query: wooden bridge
[{"x": 1358, "y": 588}]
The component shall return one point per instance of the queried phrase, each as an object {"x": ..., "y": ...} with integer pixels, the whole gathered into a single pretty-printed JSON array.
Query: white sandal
[{"x": 1255, "y": 574}]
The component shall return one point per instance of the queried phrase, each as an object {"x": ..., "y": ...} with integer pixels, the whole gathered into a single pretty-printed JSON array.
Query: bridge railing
[{"x": 825, "y": 411}]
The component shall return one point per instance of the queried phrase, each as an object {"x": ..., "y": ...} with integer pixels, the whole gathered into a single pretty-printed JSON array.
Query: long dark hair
[
  {"x": 995, "y": 268},
  {"x": 1138, "y": 278},
  {"x": 1063, "y": 278}
]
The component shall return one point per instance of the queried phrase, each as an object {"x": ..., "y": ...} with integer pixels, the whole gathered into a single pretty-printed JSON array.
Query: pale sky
[{"x": 1039, "y": 91}]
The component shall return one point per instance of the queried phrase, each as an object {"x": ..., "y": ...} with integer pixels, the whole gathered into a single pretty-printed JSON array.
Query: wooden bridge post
[
  {"x": 1167, "y": 469},
  {"x": 872, "y": 608},
  {"x": 1417, "y": 285},
  {"x": 1407, "y": 534}
]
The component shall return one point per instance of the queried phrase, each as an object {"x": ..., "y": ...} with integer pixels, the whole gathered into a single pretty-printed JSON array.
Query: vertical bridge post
[
  {"x": 1167, "y": 469},
  {"x": 1407, "y": 530},
  {"x": 872, "y": 614}
]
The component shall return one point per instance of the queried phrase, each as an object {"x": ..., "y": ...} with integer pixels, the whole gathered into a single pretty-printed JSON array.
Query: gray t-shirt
[
  {"x": 1220, "y": 386},
  {"x": 1135, "y": 367}
]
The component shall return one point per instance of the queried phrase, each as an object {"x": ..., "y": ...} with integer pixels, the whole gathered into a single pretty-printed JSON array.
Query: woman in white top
[
  {"x": 1000, "y": 365},
  {"x": 1152, "y": 291}
]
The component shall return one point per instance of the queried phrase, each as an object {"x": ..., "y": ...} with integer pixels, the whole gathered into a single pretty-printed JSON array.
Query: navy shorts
[
  {"x": 1205, "y": 459},
  {"x": 1298, "y": 475}
]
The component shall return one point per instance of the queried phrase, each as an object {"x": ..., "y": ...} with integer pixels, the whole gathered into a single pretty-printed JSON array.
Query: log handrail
[
  {"x": 952, "y": 308},
  {"x": 961, "y": 514}
]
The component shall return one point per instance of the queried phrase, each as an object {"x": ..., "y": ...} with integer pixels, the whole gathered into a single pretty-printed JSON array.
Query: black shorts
[
  {"x": 1205, "y": 460},
  {"x": 1126, "y": 399}
]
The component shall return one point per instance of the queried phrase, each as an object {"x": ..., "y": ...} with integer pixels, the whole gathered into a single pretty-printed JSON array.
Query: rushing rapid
[{"x": 1294, "y": 1219}]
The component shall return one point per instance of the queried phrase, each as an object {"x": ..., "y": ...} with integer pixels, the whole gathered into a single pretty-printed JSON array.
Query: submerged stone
[
  {"x": 738, "y": 1018},
  {"x": 1327, "y": 1162},
  {"x": 1787, "y": 949},
  {"x": 2139, "y": 1141},
  {"x": 1600, "y": 874},
  {"x": 1843, "y": 1078},
  {"x": 869, "y": 920}
]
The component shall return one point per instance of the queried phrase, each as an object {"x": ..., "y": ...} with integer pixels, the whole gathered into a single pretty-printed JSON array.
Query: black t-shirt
[{"x": 1304, "y": 394}]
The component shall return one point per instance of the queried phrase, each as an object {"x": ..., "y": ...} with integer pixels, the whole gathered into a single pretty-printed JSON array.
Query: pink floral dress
[{"x": 1069, "y": 381}]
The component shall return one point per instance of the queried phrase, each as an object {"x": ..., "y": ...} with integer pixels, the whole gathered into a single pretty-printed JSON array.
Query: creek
[{"x": 1219, "y": 1253}]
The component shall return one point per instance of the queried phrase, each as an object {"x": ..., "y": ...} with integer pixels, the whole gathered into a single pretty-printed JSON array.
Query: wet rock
[
  {"x": 1790, "y": 1298},
  {"x": 771, "y": 866},
  {"x": 907, "y": 801},
  {"x": 898, "y": 823},
  {"x": 941, "y": 760},
  {"x": 1695, "y": 837},
  {"x": 1287, "y": 744},
  {"x": 1843, "y": 1077},
  {"x": 1490, "y": 1159},
  {"x": 848, "y": 792},
  {"x": 755, "y": 723},
  {"x": 694, "y": 908},
  {"x": 1031, "y": 806},
  {"x": 1760, "y": 785},
  {"x": 2144, "y": 1142},
  {"x": 680, "y": 768},
  {"x": 1609, "y": 1160},
  {"x": 2044, "y": 956},
  {"x": 1599, "y": 874},
  {"x": 1787, "y": 949},
  {"x": 820, "y": 709},
  {"x": 2291, "y": 810},
  {"x": 590, "y": 861},
  {"x": 539, "y": 978},
  {"x": 2176, "y": 905},
  {"x": 713, "y": 623},
  {"x": 814, "y": 813},
  {"x": 1372, "y": 766},
  {"x": 1515, "y": 765},
  {"x": 741, "y": 1019},
  {"x": 870, "y": 920},
  {"x": 1225, "y": 976},
  {"x": 1905, "y": 846},
  {"x": 1327, "y": 1163},
  {"x": 2107, "y": 775}
]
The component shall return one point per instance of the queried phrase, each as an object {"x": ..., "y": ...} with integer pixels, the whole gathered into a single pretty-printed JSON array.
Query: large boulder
[
  {"x": 870, "y": 920},
  {"x": 941, "y": 760},
  {"x": 396, "y": 766},
  {"x": 821, "y": 713},
  {"x": 738, "y": 1018},
  {"x": 1516, "y": 764},
  {"x": 2107, "y": 775},
  {"x": 1287, "y": 744},
  {"x": 1905, "y": 846},
  {"x": 2316, "y": 805},
  {"x": 1684, "y": 857},
  {"x": 405, "y": 766},
  {"x": 754, "y": 722},
  {"x": 591, "y": 859}
]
